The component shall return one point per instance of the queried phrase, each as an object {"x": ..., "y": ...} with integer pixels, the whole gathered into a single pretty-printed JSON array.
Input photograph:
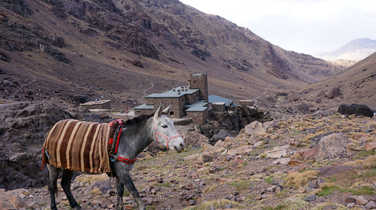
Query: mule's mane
[{"x": 137, "y": 120}]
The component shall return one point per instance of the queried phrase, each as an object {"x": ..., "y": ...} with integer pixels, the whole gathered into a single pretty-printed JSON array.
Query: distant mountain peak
[{"x": 354, "y": 50}]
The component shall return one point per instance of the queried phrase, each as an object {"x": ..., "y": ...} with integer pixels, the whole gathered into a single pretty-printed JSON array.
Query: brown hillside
[
  {"x": 356, "y": 85},
  {"x": 120, "y": 49}
]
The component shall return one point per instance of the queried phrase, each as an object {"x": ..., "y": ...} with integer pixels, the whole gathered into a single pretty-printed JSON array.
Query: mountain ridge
[{"x": 92, "y": 47}]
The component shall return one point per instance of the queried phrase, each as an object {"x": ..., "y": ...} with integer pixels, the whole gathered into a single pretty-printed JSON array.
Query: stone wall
[
  {"x": 198, "y": 118},
  {"x": 176, "y": 105},
  {"x": 200, "y": 81},
  {"x": 105, "y": 104},
  {"x": 144, "y": 112},
  {"x": 193, "y": 98}
]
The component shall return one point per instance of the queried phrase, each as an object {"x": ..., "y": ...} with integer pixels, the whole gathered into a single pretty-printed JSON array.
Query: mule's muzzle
[{"x": 179, "y": 147}]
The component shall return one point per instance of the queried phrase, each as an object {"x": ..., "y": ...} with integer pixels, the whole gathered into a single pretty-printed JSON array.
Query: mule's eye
[{"x": 164, "y": 126}]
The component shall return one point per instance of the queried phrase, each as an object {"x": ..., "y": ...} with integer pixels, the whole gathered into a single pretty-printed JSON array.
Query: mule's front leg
[
  {"x": 132, "y": 189},
  {"x": 120, "y": 192}
]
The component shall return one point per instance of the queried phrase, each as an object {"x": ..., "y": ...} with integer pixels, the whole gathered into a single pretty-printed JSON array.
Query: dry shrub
[
  {"x": 369, "y": 162},
  {"x": 299, "y": 179}
]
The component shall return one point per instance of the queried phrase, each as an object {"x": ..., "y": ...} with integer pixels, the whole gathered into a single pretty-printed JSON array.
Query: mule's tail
[{"x": 44, "y": 159}]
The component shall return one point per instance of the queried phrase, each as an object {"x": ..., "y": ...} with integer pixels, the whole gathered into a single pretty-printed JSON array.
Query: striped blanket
[{"x": 79, "y": 146}]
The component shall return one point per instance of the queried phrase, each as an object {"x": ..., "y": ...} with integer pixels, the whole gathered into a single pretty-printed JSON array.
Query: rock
[
  {"x": 334, "y": 93},
  {"x": 219, "y": 144},
  {"x": 17, "y": 202},
  {"x": 350, "y": 205},
  {"x": 27, "y": 124},
  {"x": 192, "y": 157},
  {"x": 57, "y": 55},
  {"x": 360, "y": 200},
  {"x": 314, "y": 184},
  {"x": 357, "y": 109},
  {"x": 370, "y": 146},
  {"x": 258, "y": 144},
  {"x": 240, "y": 150},
  {"x": 304, "y": 108},
  {"x": 206, "y": 157},
  {"x": 277, "y": 152},
  {"x": 138, "y": 63},
  {"x": 192, "y": 202},
  {"x": 195, "y": 139},
  {"x": 272, "y": 188},
  {"x": 310, "y": 198},
  {"x": 5, "y": 200},
  {"x": 255, "y": 129},
  {"x": 371, "y": 205},
  {"x": 221, "y": 135},
  {"x": 282, "y": 161},
  {"x": 4, "y": 57},
  {"x": 332, "y": 146}
]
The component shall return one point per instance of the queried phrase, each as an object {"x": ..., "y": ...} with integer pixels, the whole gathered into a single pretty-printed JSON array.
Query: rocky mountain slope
[
  {"x": 355, "y": 85},
  {"x": 352, "y": 52},
  {"x": 302, "y": 162},
  {"x": 120, "y": 48}
]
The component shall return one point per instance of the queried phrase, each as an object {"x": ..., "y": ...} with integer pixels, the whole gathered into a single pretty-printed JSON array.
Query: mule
[{"x": 133, "y": 137}]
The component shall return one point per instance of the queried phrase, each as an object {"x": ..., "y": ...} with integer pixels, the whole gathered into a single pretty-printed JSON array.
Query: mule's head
[{"x": 165, "y": 133}]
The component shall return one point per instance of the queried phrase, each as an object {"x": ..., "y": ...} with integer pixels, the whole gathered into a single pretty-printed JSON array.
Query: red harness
[
  {"x": 167, "y": 138},
  {"x": 111, "y": 141}
]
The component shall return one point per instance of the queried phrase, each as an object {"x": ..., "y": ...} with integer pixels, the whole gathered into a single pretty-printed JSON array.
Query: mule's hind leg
[
  {"x": 66, "y": 181},
  {"x": 52, "y": 187}
]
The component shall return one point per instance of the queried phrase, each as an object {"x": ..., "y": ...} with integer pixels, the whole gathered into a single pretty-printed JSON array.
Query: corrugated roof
[
  {"x": 199, "y": 103},
  {"x": 197, "y": 109},
  {"x": 218, "y": 99},
  {"x": 174, "y": 93},
  {"x": 95, "y": 102},
  {"x": 144, "y": 107}
]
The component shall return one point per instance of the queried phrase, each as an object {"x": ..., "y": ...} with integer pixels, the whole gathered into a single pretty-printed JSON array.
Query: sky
[{"x": 305, "y": 26}]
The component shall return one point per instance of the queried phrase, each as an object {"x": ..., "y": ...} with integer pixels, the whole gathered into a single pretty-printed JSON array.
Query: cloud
[{"x": 309, "y": 26}]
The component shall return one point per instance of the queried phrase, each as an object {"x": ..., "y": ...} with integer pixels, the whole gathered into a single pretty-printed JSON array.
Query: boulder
[
  {"x": 240, "y": 150},
  {"x": 371, "y": 205},
  {"x": 357, "y": 109},
  {"x": 206, "y": 157},
  {"x": 255, "y": 129},
  {"x": 332, "y": 146},
  {"x": 277, "y": 152},
  {"x": 371, "y": 146},
  {"x": 221, "y": 135},
  {"x": 334, "y": 93}
]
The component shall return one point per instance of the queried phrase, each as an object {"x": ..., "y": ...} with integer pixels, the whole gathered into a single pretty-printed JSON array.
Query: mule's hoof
[
  {"x": 76, "y": 207},
  {"x": 142, "y": 207}
]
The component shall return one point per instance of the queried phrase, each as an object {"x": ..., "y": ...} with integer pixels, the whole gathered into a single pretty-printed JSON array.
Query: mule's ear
[
  {"x": 165, "y": 111},
  {"x": 157, "y": 114}
]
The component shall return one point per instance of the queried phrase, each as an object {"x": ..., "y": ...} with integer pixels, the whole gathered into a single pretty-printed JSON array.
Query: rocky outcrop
[
  {"x": 23, "y": 126},
  {"x": 357, "y": 109},
  {"x": 223, "y": 124}
]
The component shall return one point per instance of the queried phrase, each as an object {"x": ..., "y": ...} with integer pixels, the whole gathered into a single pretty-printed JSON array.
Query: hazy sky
[{"x": 307, "y": 26}]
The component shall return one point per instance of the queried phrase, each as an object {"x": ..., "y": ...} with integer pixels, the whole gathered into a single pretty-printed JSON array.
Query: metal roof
[
  {"x": 199, "y": 106},
  {"x": 218, "y": 99},
  {"x": 174, "y": 93},
  {"x": 144, "y": 107},
  {"x": 198, "y": 103},
  {"x": 90, "y": 103},
  {"x": 197, "y": 109}
]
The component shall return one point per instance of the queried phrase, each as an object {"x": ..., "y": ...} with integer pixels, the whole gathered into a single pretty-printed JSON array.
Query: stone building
[
  {"x": 101, "y": 104},
  {"x": 191, "y": 101}
]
